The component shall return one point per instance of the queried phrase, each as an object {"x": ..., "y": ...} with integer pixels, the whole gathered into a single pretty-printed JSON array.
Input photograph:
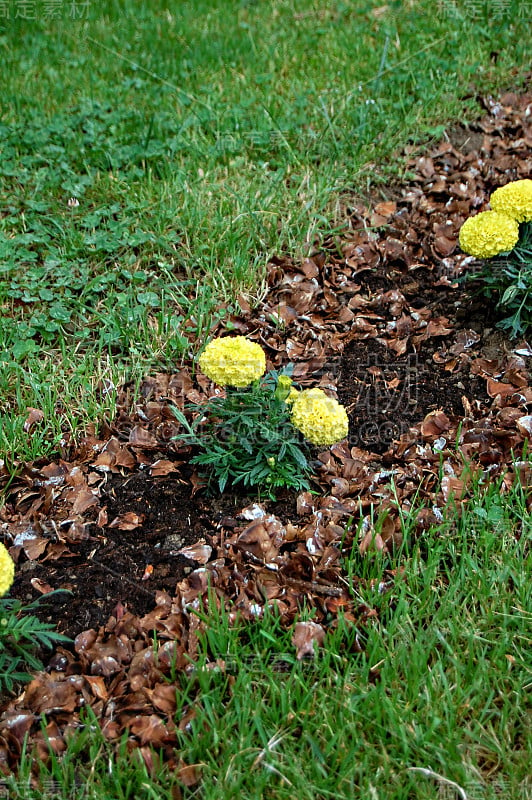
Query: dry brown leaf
[
  {"x": 495, "y": 388},
  {"x": 45, "y": 695},
  {"x": 18, "y": 724},
  {"x": 371, "y": 541},
  {"x": 41, "y": 586},
  {"x": 189, "y": 775},
  {"x": 262, "y": 538},
  {"x": 200, "y": 552},
  {"x": 83, "y": 501},
  {"x": 306, "y": 634},
  {"x": 435, "y": 423},
  {"x": 48, "y": 740},
  {"x": 452, "y": 487},
  {"x": 98, "y": 687},
  {"x": 388, "y": 207},
  {"x": 150, "y": 730},
  {"x": 164, "y": 698},
  {"x": 143, "y": 439},
  {"x": 524, "y": 424},
  {"x": 102, "y": 520},
  {"x": 127, "y": 521},
  {"x": 163, "y": 467},
  {"x": 55, "y": 551},
  {"x": 34, "y": 417},
  {"x": 35, "y": 547}
]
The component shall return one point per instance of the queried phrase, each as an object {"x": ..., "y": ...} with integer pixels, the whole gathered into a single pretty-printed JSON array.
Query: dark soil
[
  {"x": 109, "y": 568},
  {"x": 386, "y": 394},
  {"x": 378, "y": 414}
]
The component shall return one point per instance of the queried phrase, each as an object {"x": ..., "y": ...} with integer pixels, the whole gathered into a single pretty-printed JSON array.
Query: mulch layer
[{"x": 432, "y": 388}]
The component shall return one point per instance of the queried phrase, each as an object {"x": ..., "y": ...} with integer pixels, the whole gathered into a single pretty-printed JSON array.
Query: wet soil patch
[
  {"x": 386, "y": 394},
  {"x": 136, "y": 552}
]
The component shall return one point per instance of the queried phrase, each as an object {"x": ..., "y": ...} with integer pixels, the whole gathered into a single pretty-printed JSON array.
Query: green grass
[
  {"x": 198, "y": 139},
  {"x": 443, "y": 685}
]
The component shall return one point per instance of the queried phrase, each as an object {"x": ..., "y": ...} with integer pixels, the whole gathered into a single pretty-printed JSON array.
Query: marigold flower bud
[{"x": 283, "y": 388}]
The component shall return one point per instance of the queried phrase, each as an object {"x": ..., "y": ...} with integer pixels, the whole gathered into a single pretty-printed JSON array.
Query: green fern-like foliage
[
  {"x": 22, "y": 635},
  {"x": 247, "y": 438}
]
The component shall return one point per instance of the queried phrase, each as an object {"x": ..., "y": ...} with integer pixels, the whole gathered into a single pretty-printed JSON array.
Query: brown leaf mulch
[{"x": 432, "y": 388}]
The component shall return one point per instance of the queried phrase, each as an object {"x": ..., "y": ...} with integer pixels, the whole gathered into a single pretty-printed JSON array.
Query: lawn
[{"x": 158, "y": 163}]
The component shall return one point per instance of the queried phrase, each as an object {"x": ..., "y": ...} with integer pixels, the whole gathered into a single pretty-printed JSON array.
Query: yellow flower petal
[
  {"x": 233, "y": 361},
  {"x": 514, "y": 200},
  {"x": 488, "y": 234},
  {"x": 7, "y": 570},
  {"x": 320, "y": 418}
]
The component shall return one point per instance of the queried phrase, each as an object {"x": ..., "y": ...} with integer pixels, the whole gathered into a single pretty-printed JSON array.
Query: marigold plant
[
  {"x": 503, "y": 236},
  {"x": 251, "y": 436},
  {"x": 20, "y": 633}
]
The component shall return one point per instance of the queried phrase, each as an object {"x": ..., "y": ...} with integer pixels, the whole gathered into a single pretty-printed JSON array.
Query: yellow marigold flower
[
  {"x": 514, "y": 200},
  {"x": 233, "y": 361},
  {"x": 7, "y": 570},
  {"x": 488, "y": 234},
  {"x": 320, "y": 418}
]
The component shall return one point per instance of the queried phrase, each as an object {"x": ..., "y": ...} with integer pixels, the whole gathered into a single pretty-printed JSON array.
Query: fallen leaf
[
  {"x": 189, "y": 775},
  {"x": 388, "y": 207},
  {"x": 143, "y": 439},
  {"x": 306, "y": 634},
  {"x": 41, "y": 586},
  {"x": 150, "y": 730},
  {"x": 98, "y": 687},
  {"x": 45, "y": 695},
  {"x": 262, "y": 538},
  {"x": 164, "y": 698},
  {"x": 371, "y": 541},
  {"x": 127, "y": 521},
  {"x": 84, "y": 500},
  {"x": 451, "y": 487},
  {"x": 200, "y": 552},
  {"x": 35, "y": 547},
  {"x": 34, "y": 417},
  {"x": 524, "y": 424},
  {"x": 495, "y": 388},
  {"x": 435, "y": 424},
  {"x": 163, "y": 467}
]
